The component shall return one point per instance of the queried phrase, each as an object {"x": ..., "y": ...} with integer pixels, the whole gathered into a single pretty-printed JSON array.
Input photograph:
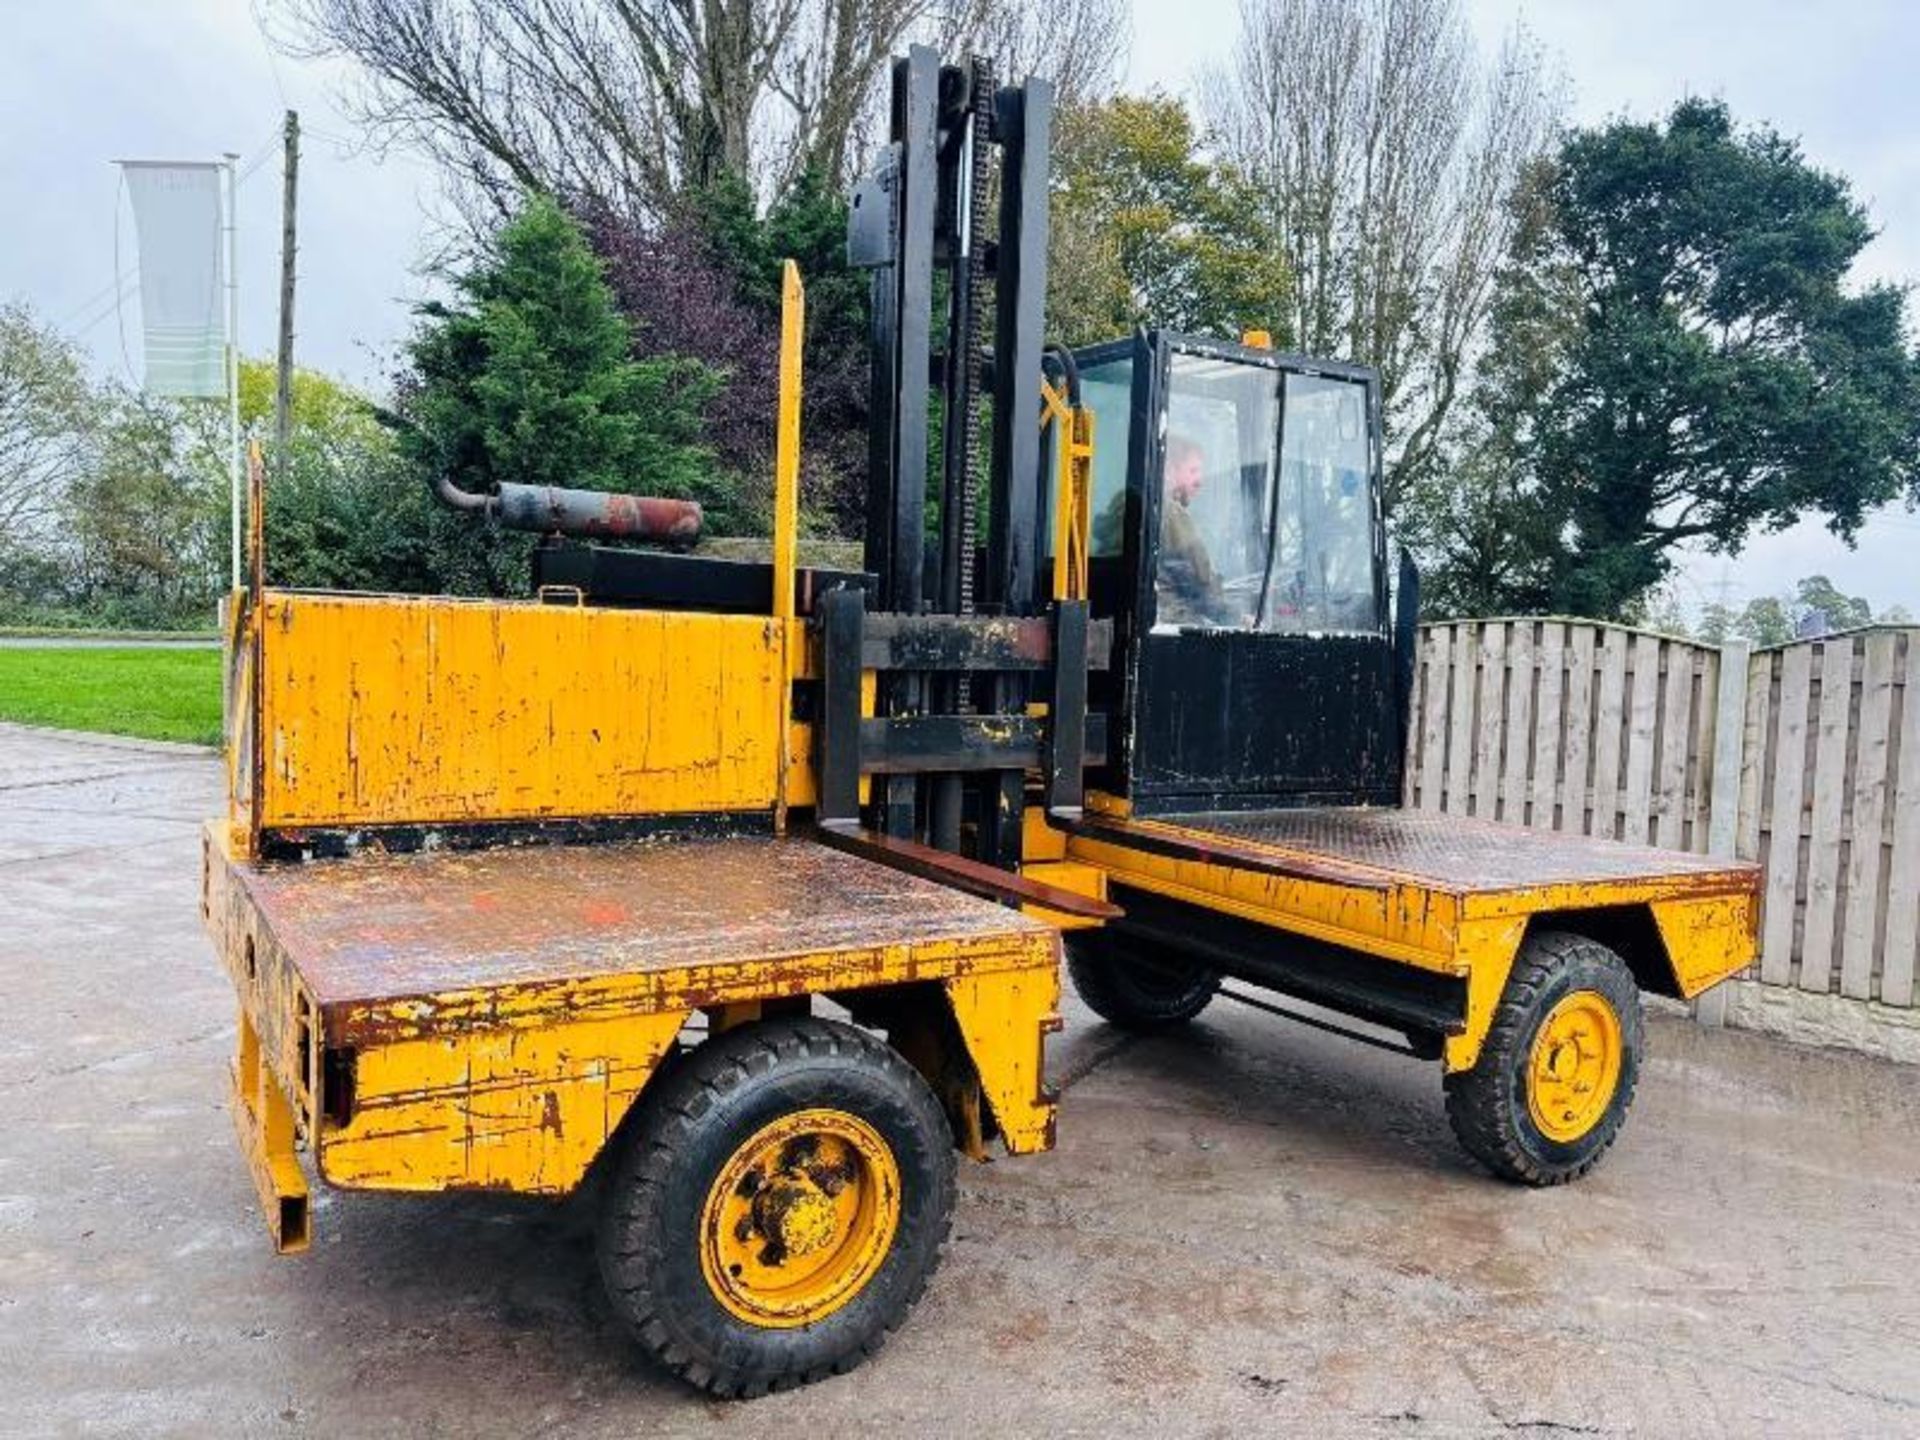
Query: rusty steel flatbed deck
[
  {"x": 486, "y": 1018},
  {"x": 1450, "y": 853},
  {"x": 1441, "y": 893},
  {"x": 702, "y": 917}
]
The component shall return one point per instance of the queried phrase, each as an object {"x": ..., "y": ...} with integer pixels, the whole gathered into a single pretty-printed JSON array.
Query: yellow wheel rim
[
  {"x": 1575, "y": 1066},
  {"x": 800, "y": 1218}
]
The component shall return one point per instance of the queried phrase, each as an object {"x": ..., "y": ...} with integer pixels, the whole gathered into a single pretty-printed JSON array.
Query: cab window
[
  {"x": 1107, "y": 390},
  {"x": 1321, "y": 577},
  {"x": 1266, "y": 511},
  {"x": 1218, "y": 457}
]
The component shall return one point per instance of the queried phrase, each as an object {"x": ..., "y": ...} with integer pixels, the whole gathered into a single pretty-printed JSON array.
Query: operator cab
[{"x": 1238, "y": 545}]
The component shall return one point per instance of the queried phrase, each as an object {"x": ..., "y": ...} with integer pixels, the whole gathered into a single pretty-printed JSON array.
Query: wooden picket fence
[{"x": 1805, "y": 757}]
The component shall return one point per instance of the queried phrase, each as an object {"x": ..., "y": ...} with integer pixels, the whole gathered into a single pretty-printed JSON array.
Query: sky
[
  {"x": 85, "y": 82},
  {"x": 1838, "y": 76}
]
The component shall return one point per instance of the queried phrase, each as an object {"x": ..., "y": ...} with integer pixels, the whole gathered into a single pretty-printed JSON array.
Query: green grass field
[{"x": 152, "y": 692}]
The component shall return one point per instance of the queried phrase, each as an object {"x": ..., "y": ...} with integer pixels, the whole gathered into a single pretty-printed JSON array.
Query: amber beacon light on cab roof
[{"x": 741, "y": 889}]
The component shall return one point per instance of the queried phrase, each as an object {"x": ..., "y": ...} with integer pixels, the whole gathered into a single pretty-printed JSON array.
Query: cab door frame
[{"x": 1340, "y": 742}]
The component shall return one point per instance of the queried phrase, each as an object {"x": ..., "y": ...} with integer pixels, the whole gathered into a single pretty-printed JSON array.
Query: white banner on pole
[{"x": 176, "y": 213}]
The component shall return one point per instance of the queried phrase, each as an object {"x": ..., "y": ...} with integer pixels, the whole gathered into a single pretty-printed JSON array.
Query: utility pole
[{"x": 283, "y": 388}]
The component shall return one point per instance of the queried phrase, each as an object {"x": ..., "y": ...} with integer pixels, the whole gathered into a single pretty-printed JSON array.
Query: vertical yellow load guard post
[
  {"x": 1073, "y": 492},
  {"x": 786, "y": 518}
]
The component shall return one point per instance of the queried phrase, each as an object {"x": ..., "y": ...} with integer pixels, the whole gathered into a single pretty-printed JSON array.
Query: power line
[
  {"x": 108, "y": 310},
  {"x": 254, "y": 162},
  {"x": 103, "y": 293},
  {"x": 86, "y": 315}
]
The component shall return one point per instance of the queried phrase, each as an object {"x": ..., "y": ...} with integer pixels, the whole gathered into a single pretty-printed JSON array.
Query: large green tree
[
  {"x": 1701, "y": 368},
  {"x": 528, "y": 376},
  {"x": 1148, "y": 229}
]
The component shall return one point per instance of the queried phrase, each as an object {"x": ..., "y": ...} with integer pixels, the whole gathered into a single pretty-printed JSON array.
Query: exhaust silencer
[{"x": 578, "y": 514}]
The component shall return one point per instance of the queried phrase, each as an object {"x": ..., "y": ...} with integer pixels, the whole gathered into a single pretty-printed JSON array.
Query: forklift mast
[{"x": 950, "y": 736}]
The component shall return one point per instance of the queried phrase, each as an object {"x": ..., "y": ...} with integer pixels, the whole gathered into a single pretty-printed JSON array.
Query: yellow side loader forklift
[{"x": 739, "y": 888}]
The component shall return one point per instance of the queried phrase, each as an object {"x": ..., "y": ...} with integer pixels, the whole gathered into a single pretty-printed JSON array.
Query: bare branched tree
[
  {"x": 1080, "y": 45},
  {"x": 1388, "y": 150},
  {"x": 622, "y": 104},
  {"x": 47, "y": 424}
]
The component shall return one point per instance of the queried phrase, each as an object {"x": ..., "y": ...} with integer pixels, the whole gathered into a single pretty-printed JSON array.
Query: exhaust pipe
[{"x": 578, "y": 514}]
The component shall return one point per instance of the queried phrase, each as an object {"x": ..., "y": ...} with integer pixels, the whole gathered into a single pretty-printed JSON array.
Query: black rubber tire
[
  {"x": 1133, "y": 991},
  {"x": 690, "y": 1125},
  {"x": 1487, "y": 1105}
]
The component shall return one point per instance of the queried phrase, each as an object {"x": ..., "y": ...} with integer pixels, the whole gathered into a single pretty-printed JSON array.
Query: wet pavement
[{"x": 1247, "y": 1228}]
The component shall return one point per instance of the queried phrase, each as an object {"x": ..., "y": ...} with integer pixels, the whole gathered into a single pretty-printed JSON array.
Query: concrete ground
[{"x": 1247, "y": 1228}]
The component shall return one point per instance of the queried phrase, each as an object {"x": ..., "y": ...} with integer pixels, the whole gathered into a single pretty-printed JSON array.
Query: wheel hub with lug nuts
[
  {"x": 1574, "y": 1067},
  {"x": 800, "y": 1218}
]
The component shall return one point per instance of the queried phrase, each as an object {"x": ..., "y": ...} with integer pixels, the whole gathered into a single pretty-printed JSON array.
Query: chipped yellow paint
[
  {"x": 519, "y": 1086},
  {"x": 507, "y": 1109},
  {"x": 1707, "y": 940},
  {"x": 271, "y": 997},
  {"x": 1697, "y": 889},
  {"x": 786, "y": 523},
  {"x": 264, "y": 1120},
  {"x": 1005, "y": 1019},
  {"x": 1406, "y": 923},
  {"x": 386, "y": 709},
  {"x": 681, "y": 988}
]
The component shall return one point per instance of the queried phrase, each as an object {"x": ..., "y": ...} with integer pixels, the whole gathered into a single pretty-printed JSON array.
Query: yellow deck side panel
[
  {"x": 523, "y": 1108},
  {"x": 386, "y": 710},
  {"x": 1440, "y": 892},
  {"x": 499, "y": 1010}
]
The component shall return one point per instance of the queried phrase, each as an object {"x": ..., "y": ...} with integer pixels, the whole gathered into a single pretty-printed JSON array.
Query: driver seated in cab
[{"x": 1186, "y": 588}]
